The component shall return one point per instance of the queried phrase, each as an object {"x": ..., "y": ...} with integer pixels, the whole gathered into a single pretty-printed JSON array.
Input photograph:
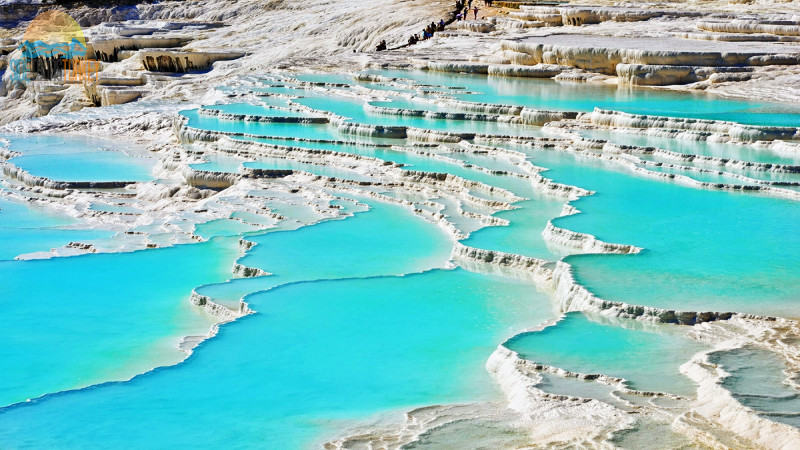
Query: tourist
[
  {"x": 381, "y": 46},
  {"x": 441, "y": 25},
  {"x": 475, "y": 12}
]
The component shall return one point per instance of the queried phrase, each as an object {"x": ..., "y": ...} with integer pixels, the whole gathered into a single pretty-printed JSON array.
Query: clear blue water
[
  {"x": 473, "y": 312},
  {"x": 101, "y": 317},
  {"x": 25, "y": 229},
  {"x": 318, "y": 355},
  {"x": 326, "y": 250},
  {"x": 332, "y": 249},
  {"x": 224, "y": 227},
  {"x": 76, "y": 158},
  {"x": 105, "y": 166},
  {"x": 625, "y": 349},
  {"x": 704, "y": 250},
  {"x": 523, "y": 235}
]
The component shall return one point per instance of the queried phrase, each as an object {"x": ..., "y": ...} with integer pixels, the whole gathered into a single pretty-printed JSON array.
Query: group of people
[
  {"x": 427, "y": 33},
  {"x": 463, "y": 6}
]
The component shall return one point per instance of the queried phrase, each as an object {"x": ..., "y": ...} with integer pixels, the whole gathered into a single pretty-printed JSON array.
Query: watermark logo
[{"x": 53, "y": 49}]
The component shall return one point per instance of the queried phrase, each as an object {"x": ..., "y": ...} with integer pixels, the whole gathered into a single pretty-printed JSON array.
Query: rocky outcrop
[
  {"x": 108, "y": 49},
  {"x": 553, "y": 419},
  {"x": 426, "y": 135},
  {"x": 441, "y": 115},
  {"x": 183, "y": 61},
  {"x": 22, "y": 175},
  {"x": 209, "y": 180},
  {"x": 215, "y": 309},
  {"x": 750, "y": 27},
  {"x": 606, "y": 59},
  {"x": 572, "y": 296},
  {"x": 663, "y": 75},
  {"x": 484, "y": 108},
  {"x": 248, "y": 272},
  {"x": 474, "y": 25},
  {"x": 507, "y": 264},
  {"x": 360, "y": 129},
  {"x": 582, "y": 243},
  {"x": 534, "y": 71},
  {"x": 632, "y": 61},
  {"x": 458, "y": 67},
  {"x": 539, "y": 117},
  {"x": 577, "y": 15}
]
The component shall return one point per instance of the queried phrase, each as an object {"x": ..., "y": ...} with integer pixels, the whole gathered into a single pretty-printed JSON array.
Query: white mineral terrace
[{"x": 180, "y": 56}]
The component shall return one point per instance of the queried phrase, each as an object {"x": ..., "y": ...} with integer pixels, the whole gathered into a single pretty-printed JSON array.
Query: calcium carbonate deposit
[{"x": 549, "y": 225}]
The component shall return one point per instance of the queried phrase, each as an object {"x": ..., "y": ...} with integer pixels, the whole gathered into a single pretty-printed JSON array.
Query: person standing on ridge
[{"x": 475, "y": 12}]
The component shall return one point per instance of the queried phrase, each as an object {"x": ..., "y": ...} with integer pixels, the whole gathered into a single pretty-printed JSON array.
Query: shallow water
[
  {"x": 624, "y": 349},
  {"x": 524, "y": 233},
  {"x": 758, "y": 379},
  {"x": 25, "y": 229},
  {"x": 135, "y": 304},
  {"x": 360, "y": 318},
  {"x": 724, "y": 257},
  {"x": 705, "y": 250},
  {"x": 76, "y": 158}
]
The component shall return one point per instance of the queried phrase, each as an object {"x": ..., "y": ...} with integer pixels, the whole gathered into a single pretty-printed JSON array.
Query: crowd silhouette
[{"x": 461, "y": 12}]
